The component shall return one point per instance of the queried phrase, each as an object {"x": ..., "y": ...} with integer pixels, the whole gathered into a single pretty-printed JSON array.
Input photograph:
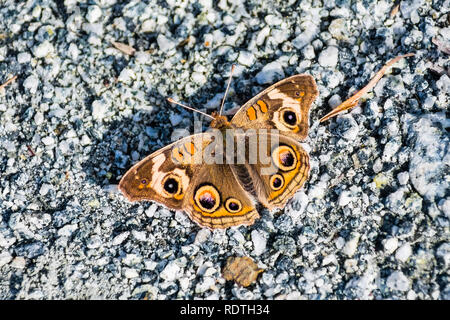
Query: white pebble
[
  {"x": 444, "y": 206},
  {"x": 198, "y": 78},
  {"x": 302, "y": 200},
  {"x": 67, "y": 230},
  {"x": 93, "y": 14},
  {"x": 329, "y": 57},
  {"x": 340, "y": 242},
  {"x": 5, "y": 257},
  {"x": 73, "y": 51},
  {"x": 344, "y": 198},
  {"x": 130, "y": 273},
  {"x": 184, "y": 283},
  {"x": 10, "y": 146},
  {"x": 329, "y": 259},
  {"x": 398, "y": 281},
  {"x": 273, "y": 20},
  {"x": 403, "y": 178},
  {"x": 150, "y": 212},
  {"x": 351, "y": 265},
  {"x": 443, "y": 83},
  {"x": 120, "y": 238},
  {"x": 262, "y": 35},
  {"x": 429, "y": 102},
  {"x": 170, "y": 272},
  {"x": 142, "y": 57},
  {"x": 48, "y": 141},
  {"x": 202, "y": 236},
  {"x": 304, "y": 38},
  {"x": 132, "y": 259},
  {"x": 45, "y": 188},
  {"x": 390, "y": 149},
  {"x": 411, "y": 295},
  {"x": 259, "y": 242},
  {"x": 318, "y": 190},
  {"x": 164, "y": 43},
  {"x": 390, "y": 245},
  {"x": 127, "y": 76},
  {"x": 64, "y": 147},
  {"x": 334, "y": 101},
  {"x": 270, "y": 73},
  {"x": 148, "y": 25},
  {"x": 44, "y": 49},
  {"x": 99, "y": 109},
  {"x": 404, "y": 252},
  {"x": 246, "y": 58},
  {"x": 94, "y": 242},
  {"x": 38, "y": 118},
  {"x": 23, "y": 57},
  {"x": 31, "y": 83},
  {"x": 3, "y": 52},
  {"x": 308, "y": 52},
  {"x": 18, "y": 263},
  {"x": 139, "y": 235},
  {"x": 351, "y": 246}
]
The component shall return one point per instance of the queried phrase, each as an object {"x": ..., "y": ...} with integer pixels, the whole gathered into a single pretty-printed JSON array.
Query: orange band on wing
[
  {"x": 251, "y": 113},
  {"x": 177, "y": 155},
  {"x": 262, "y": 106},
  {"x": 190, "y": 147}
]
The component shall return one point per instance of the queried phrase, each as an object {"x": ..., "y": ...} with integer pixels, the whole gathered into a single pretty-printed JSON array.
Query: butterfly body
[{"x": 220, "y": 176}]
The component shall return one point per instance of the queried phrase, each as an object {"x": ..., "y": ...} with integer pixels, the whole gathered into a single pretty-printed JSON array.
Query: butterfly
[
  {"x": 225, "y": 193},
  {"x": 266, "y": 166}
]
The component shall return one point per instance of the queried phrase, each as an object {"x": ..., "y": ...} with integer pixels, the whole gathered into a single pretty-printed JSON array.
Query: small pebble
[
  {"x": 270, "y": 73},
  {"x": 31, "y": 83},
  {"x": 329, "y": 57},
  {"x": 404, "y": 252},
  {"x": 93, "y": 14}
]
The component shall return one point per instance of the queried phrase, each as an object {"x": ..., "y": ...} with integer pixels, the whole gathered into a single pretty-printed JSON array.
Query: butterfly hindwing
[
  {"x": 282, "y": 167},
  {"x": 217, "y": 200}
]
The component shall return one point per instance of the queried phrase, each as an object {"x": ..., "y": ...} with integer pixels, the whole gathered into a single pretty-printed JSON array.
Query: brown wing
[
  {"x": 165, "y": 175},
  {"x": 217, "y": 200},
  {"x": 283, "y": 106},
  {"x": 281, "y": 168},
  {"x": 178, "y": 177}
]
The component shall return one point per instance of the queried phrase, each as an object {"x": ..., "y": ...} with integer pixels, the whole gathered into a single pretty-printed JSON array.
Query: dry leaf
[{"x": 242, "y": 270}]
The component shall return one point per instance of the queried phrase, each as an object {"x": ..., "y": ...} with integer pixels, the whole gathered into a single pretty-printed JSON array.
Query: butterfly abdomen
[{"x": 243, "y": 175}]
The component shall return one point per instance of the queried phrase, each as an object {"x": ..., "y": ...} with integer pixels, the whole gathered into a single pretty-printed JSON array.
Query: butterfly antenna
[
  {"x": 189, "y": 108},
  {"x": 226, "y": 91}
]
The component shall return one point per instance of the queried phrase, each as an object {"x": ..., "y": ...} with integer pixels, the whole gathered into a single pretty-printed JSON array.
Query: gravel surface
[{"x": 372, "y": 222}]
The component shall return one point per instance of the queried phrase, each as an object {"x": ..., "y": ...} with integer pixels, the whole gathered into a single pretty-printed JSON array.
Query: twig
[
  {"x": 128, "y": 50},
  {"x": 395, "y": 8},
  {"x": 353, "y": 100},
  {"x": 8, "y": 82}
]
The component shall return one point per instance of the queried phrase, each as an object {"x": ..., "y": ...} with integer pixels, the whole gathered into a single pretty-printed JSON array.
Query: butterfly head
[{"x": 219, "y": 121}]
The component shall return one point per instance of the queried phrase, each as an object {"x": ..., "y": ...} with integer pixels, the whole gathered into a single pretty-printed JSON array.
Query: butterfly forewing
[{"x": 283, "y": 106}]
